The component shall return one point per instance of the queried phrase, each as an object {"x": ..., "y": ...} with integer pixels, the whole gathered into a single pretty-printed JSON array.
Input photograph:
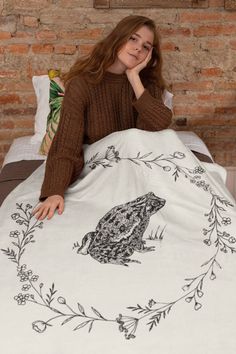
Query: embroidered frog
[{"x": 120, "y": 232}]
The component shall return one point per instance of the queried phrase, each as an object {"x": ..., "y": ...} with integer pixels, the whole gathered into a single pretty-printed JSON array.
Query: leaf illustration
[
  {"x": 67, "y": 320},
  {"x": 81, "y": 325},
  {"x": 148, "y": 165},
  {"x": 97, "y": 313},
  {"x": 91, "y": 326},
  {"x": 81, "y": 309}
]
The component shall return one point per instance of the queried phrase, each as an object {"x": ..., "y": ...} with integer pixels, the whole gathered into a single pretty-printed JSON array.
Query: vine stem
[{"x": 171, "y": 304}]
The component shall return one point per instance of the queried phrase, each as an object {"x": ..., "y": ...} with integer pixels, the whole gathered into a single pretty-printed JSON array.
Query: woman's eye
[{"x": 132, "y": 38}]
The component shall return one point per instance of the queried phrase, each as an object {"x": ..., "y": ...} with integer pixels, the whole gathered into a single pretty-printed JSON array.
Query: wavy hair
[{"x": 104, "y": 53}]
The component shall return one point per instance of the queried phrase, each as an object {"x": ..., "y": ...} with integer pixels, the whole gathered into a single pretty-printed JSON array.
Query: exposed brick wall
[{"x": 199, "y": 49}]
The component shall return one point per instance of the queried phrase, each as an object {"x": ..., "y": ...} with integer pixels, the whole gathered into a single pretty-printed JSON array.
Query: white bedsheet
[
  {"x": 142, "y": 260},
  {"x": 23, "y": 149}
]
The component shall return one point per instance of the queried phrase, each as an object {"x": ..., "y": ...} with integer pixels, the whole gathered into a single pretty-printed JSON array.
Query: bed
[{"x": 141, "y": 261}]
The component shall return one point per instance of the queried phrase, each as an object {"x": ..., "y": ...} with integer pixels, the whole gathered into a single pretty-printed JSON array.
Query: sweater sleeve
[
  {"x": 153, "y": 115},
  {"x": 65, "y": 159}
]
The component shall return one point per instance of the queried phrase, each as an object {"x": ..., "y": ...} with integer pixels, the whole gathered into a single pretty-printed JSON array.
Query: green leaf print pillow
[{"x": 56, "y": 95}]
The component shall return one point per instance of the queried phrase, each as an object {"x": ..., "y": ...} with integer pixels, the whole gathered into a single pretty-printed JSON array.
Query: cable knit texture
[{"x": 89, "y": 113}]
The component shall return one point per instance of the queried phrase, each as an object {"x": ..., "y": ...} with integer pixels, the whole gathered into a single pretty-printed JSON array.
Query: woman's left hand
[{"x": 136, "y": 69}]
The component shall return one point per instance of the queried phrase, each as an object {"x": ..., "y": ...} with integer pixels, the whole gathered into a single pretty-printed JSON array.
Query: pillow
[
  {"x": 41, "y": 87},
  {"x": 167, "y": 98},
  {"x": 56, "y": 94}
]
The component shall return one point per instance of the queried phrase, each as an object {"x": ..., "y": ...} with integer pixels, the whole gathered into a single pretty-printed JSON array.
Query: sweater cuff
[{"x": 48, "y": 192}]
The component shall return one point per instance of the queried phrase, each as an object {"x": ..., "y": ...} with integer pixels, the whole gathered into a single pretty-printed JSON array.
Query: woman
[{"x": 118, "y": 86}]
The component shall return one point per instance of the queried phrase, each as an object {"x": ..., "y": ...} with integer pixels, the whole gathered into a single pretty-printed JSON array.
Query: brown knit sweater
[{"x": 89, "y": 113}]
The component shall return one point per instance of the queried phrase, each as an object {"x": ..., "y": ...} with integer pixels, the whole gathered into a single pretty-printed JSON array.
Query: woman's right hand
[{"x": 48, "y": 207}]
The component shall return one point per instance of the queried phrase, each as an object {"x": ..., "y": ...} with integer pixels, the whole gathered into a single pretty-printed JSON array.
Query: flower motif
[
  {"x": 112, "y": 154},
  {"x": 212, "y": 276},
  {"x": 61, "y": 300},
  {"x": 197, "y": 306},
  {"x": 23, "y": 277},
  {"x": 151, "y": 303},
  {"x": 225, "y": 234},
  {"x": 185, "y": 287},
  {"x": 40, "y": 225},
  {"x": 200, "y": 293},
  {"x": 14, "y": 234},
  {"x": 128, "y": 325},
  {"x": 189, "y": 299},
  {"x": 207, "y": 242},
  {"x": 199, "y": 170},
  {"x": 34, "y": 278},
  {"x": 26, "y": 287},
  {"x": 15, "y": 216},
  {"x": 40, "y": 326},
  {"x": 20, "y": 222},
  {"x": 166, "y": 168},
  {"x": 226, "y": 221},
  {"x": 21, "y": 298},
  {"x": 28, "y": 206},
  {"x": 232, "y": 239},
  {"x": 178, "y": 155}
]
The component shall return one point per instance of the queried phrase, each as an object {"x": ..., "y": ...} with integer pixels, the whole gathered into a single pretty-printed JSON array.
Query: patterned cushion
[{"x": 56, "y": 95}]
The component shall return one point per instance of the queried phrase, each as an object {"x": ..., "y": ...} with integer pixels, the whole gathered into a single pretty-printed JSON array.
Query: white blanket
[{"x": 141, "y": 261}]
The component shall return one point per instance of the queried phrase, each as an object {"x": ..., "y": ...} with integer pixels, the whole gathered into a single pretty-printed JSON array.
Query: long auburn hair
[{"x": 104, "y": 53}]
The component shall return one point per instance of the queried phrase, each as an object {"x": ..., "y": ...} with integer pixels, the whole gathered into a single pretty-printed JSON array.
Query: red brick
[
  {"x": 216, "y": 3},
  {"x": 10, "y": 98},
  {"x": 46, "y": 35},
  {"x": 16, "y": 86},
  {"x": 211, "y": 72},
  {"x": 85, "y": 49},
  {"x": 94, "y": 33},
  {"x": 6, "y": 124},
  {"x": 181, "y": 31},
  {"x": 221, "y": 132},
  {"x": 168, "y": 46},
  {"x": 212, "y": 120},
  {"x": 5, "y": 35},
  {"x": 19, "y": 111},
  {"x": 24, "y": 123},
  {"x": 203, "y": 16},
  {"x": 225, "y": 85},
  {"x": 65, "y": 49},
  {"x": 18, "y": 48},
  {"x": 28, "y": 99},
  {"x": 233, "y": 44},
  {"x": 30, "y": 21},
  {"x": 9, "y": 74},
  {"x": 226, "y": 110},
  {"x": 230, "y": 16},
  {"x": 214, "y": 30},
  {"x": 214, "y": 44},
  {"x": 42, "y": 48},
  {"x": 193, "y": 86},
  {"x": 192, "y": 110},
  {"x": 23, "y": 35},
  {"x": 214, "y": 97}
]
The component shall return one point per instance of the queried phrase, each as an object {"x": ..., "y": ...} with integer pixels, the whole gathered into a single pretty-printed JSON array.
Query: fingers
[
  {"x": 48, "y": 207},
  {"x": 61, "y": 207}
]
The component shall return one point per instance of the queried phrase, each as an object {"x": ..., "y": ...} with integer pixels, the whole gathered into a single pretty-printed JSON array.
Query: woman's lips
[{"x": 132, "y": 55}]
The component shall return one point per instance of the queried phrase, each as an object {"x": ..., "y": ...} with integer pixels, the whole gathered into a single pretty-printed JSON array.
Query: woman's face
[{"x": 136, "y": 49}]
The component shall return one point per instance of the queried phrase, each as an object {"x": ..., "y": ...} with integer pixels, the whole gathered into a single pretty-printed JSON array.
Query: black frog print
[{"x": 120, "y": 232}]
